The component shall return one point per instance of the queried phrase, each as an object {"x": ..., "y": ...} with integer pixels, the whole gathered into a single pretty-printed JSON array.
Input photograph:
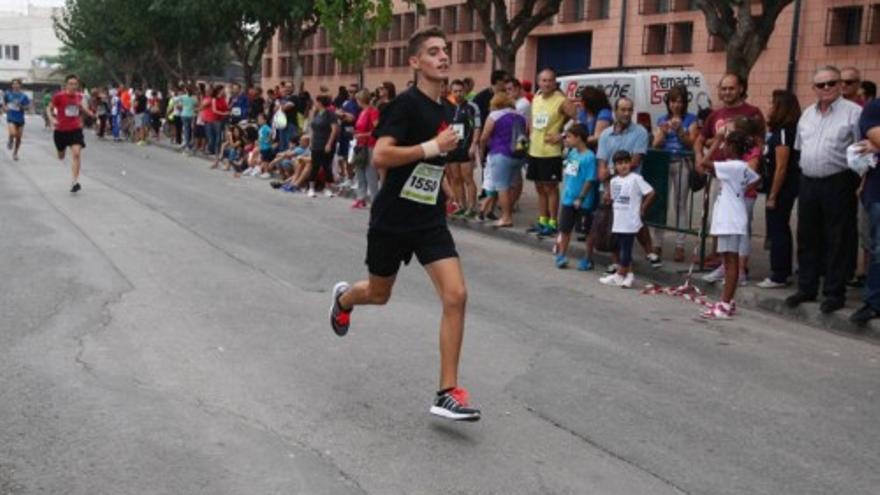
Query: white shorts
[{"x": 730, "y": 243}]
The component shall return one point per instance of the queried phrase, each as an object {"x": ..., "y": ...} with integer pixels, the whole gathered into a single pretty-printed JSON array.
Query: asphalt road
[{"x": 165, "y": 332}]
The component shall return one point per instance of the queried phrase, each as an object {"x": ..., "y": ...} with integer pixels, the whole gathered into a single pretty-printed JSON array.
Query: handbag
[
  {"x": 361, "y": 157},
  {"x": 603, "y": 220}
]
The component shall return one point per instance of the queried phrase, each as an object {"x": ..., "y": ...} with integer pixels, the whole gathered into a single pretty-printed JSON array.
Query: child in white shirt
[
  {"x": 730, "y": 219},
  {"x": 631, "y": 196}
]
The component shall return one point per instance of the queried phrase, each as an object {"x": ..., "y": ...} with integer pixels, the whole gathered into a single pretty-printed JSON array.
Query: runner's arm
[{"x": 388, "y": 154}]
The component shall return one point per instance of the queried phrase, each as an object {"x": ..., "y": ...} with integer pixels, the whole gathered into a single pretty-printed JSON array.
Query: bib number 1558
[{"x": 423, "y": 184}]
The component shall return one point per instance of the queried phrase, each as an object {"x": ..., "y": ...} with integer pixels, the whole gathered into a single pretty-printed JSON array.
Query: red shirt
[
  {"x": 222, "y": 106},
  {"x": 721, "y": 117},
  {"x": 366, "y": 123},
  {"x": 207, "y": 114},
  {"x": 67, "y": 111}
]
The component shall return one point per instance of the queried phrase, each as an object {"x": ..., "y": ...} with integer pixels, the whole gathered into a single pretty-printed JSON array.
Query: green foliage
[{"x": 353, "y": 25}]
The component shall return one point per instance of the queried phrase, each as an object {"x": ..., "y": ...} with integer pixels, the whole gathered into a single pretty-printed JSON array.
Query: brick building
[{"x": 586, "y": 34}]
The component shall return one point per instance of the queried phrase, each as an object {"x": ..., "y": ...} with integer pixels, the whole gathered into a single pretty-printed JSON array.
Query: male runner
[
  {"x": 14, "y": 104},
  {"x": 408, "y": 215},
  {"x": 67, "y": 106}
]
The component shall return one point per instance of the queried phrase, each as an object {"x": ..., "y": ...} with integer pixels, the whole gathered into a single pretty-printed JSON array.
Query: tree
[
  {"x": 504, "y": 34},
  {"x": 352, "y": 27},
  {"x": 302, "y": 21},
  {"x": 744, "y": 33}
]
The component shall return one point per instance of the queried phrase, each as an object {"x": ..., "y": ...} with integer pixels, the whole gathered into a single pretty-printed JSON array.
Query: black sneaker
[
  {"x": 798, "y": 298},
  {"x": 831, "y": 304},
  {"x": 453, "y": 404},
  {"x": 339, "y": 318},
  {"x": 865, "y": 314},
  {"x": 76, "y": 187}
]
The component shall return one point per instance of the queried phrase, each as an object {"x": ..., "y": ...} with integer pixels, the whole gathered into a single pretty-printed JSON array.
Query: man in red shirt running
[{"x": 67, "y": 106}]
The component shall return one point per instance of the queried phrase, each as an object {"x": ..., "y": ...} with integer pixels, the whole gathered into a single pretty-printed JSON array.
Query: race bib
[
  {"x": 71, "y": 111},
  {"x": 571, "y": 167},
  {"x": 236, "y": 111},
  {"x": 423, "y": 184},
  {"x": 13, "y": 106},
  {"x": 459, "y": 130},
  {"x": 540, "y": 121}
]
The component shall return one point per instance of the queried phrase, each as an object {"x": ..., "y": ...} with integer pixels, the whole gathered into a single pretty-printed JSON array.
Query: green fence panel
[{"x": 655, "y": 170}]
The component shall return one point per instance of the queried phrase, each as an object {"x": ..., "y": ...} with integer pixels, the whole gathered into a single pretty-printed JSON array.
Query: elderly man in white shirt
[{"x": 827, "y": 204}]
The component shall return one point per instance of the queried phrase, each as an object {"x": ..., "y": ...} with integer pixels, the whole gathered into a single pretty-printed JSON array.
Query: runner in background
[
  {"x": 68, "y": 105},
  {"x": 15, "y": 103}
]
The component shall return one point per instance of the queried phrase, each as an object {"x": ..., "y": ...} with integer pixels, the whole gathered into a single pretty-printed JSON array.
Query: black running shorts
[
  {"x": 65, "y": 139},
  {"x": 386, "y": 250},
  {"x": 569, "y": 217},
  {"x": 544, "y": 169}
]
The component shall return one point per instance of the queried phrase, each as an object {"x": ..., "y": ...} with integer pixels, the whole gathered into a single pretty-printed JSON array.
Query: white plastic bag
[{"x": 858, "y": 160}]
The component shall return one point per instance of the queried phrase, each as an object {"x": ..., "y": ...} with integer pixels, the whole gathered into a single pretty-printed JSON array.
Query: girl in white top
[
  {"x": 730, "y": 220},
  {"x": 631, "y": 196}
]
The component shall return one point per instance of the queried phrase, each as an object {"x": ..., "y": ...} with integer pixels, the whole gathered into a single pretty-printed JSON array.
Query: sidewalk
[{"x": 673, "y": 274}]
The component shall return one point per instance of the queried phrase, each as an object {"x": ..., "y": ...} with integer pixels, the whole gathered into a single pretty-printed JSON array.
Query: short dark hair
[
  {"x": 421, "y": 36},
  {"x": 622, "y": 98},
  {"x": 15, "y": 80},
  {"x": 70, "y": 76},
  {"x": 497, "y": 76},
  {"x": 579, "y": 131},
  {"x": 870, "y": 89},
  {"x": 456, "y": 82},
  {"x": 515, "y": 82},
  {"x": 324, "y": 100},
  {"x": 621, "y": 156}
]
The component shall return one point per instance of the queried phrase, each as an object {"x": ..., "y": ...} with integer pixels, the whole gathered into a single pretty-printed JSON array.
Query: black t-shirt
[
  {"x": 782, "y": 137},
  {"x": 257, "y": 107},
  {"x": 464, "y": 115},
  {"x": 411, "y": 119},
  {"x": 870, "y": 119},
  {"x": 482, "y": 100},
  {"x": 140, "y": 104}
]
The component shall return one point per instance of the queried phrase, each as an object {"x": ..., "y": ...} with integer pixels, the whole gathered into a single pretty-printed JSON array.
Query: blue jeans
[
  {"x": 872, "y": 285},
  {"x": 187, "y": 131},
  {"x": 214, "y": 130},
  {"x": 116, "y": 125},
  {"x": 284, "y": 136}
]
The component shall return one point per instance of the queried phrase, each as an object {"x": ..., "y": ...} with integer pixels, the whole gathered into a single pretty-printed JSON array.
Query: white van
[{"x": 646, "y": 88}]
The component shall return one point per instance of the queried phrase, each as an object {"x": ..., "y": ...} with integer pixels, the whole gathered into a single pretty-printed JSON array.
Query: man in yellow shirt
[{"x": 550, "y": 111}]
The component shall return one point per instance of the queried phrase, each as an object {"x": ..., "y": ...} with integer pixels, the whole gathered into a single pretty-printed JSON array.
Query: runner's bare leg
[
  {"x": 448, "y": 279},
  {"x": 75, "y": 161}
]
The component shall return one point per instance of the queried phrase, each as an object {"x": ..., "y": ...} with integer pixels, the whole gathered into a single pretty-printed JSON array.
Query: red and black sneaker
[
  {"x": 339, "y": 318},
  {"x": 452, "y": 404}
]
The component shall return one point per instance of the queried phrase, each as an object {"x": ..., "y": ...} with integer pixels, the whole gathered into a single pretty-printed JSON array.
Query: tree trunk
[
  {"x": 506, "y": 58},
  {"x": 297, "y": 68}
]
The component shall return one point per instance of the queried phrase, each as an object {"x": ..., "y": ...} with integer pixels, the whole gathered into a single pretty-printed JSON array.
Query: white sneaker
[
  {"x": 718, "y": 311},
  {"x": 265, "y": 175},
  {"x": 248, "y": 171},
  {"x": 613, "y": 280},
  {"x": 628, "y": 280},
  {"x": 612, "y": 268},
  {"x": 768, "y": 283},
  {"x": 715, "y": 275},
  {"x": 312, "y": 193},
  {"x": 328, "y": 193},
  {"x": 655, "y": 260}
]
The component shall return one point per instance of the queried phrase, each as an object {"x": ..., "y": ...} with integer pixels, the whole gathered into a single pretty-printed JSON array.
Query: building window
[
  {"x": 598, "y": 9},
  {"x": 873, "y": 24},
  {"x": 267, "y": 67},
  {"x": 683, "y": 5},
  {"x": 466, "y": 20},
  {"x": 322, "y": 38},
  {"x": 10, "y": 52},
  {"x": 409, "y": 25},
  {"x": 284, "y": 66},
  {"x": 434, "y": 17},
  {"x": 396, "y": 28},
  {"x": 396, "y": 57},
  {"x": 716, "y": 44},
  {"x": 308, "y": 65},
  {"x": 479, "y": 56},
  {"x": 682, "y": 40},
  {"x": 843, "y": 26},
  {"x": 309, "y": 42},
  {"x": 654, "y": 40},
  {"x": 465, "y": 51},
  {"x": 649, "y": 7},
  {"x": 449, "y": 49},
  {"x": 450, "y": 19},
  {"x": 572, "y": 10},
  {"x": 326, "y": 64}
]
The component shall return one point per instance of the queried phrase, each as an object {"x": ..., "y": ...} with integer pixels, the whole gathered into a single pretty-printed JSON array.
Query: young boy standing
[
  {"x": 579, "y": 182},
  {"x": 408, "y": 216},
  {"x": 631, "y": 196}
]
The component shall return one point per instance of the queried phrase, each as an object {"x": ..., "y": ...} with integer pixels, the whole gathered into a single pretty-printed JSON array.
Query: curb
[{"x": 764, "y": 301}]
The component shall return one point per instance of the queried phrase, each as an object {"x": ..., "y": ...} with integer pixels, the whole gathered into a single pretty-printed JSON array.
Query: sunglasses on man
[{"x": 826, "y": 84}]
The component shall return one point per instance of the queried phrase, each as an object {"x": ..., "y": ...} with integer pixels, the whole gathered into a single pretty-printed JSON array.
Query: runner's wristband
[{"x": 430, "y": 148}]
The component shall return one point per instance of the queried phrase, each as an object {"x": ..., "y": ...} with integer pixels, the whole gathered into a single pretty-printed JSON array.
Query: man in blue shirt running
[{"x": 14, "y": 104}]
